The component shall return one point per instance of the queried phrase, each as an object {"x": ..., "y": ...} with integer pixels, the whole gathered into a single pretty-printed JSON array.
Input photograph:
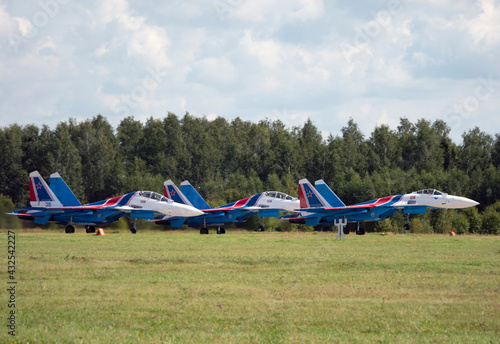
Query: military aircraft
[
  {"x": 58, "y": 204},
  {"x": 320, "y": 206},
  {"x": 264, "y": 204}
]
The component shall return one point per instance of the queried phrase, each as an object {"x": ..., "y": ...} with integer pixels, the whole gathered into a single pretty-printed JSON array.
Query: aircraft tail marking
[
  {"x": 171, "y": 191},
  {"x": 40, "y": 193},
  {"x": 309, "y": 197}
]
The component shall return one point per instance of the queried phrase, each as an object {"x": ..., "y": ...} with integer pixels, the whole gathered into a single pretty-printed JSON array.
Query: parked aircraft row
[{"x": 317, "y": 206}]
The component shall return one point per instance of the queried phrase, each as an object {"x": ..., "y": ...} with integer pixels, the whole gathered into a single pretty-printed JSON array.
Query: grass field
[{"x": 242, "y": 287}]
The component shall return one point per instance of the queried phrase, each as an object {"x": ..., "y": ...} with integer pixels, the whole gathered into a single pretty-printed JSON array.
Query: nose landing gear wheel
[{"x": 70, "y": 229}]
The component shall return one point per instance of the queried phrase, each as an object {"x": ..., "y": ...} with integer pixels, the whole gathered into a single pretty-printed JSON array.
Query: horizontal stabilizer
[
  {"x": 42, "y": 220},
  {"x": 177, "y": 223},
  {"x": 312, "y": 221}
]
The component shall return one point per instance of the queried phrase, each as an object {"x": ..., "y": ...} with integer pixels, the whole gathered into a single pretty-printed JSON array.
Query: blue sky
[{"x": 374, "y": 61}]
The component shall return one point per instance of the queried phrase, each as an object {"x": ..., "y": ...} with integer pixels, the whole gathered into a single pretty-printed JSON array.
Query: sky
[{"x": 369, "y": 60}]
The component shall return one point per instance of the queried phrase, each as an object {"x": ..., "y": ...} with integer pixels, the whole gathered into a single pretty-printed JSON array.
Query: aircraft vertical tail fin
[
  {"x": 328, "y": 194},
  {"x": 40, "y": 193},
  {"x": 193, "y": 195},
  {"x": 62, "y": 191},
  {"x": 172, "y": 191},
  {"x": 310, "y": 197}
]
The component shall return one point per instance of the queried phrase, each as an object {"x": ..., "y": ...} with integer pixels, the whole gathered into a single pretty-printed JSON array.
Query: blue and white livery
[
  {"x": 58, "y": 204},
  {"x": 320, "y": 206},
  {"x": 264, "y": 204}
]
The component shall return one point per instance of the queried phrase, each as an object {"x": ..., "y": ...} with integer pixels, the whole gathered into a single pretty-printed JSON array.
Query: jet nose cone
[
  {"x": 463, "y": 202},
  {"x": 187, "y": 210}
]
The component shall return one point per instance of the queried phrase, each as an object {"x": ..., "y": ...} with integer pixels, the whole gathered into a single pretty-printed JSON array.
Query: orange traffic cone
[{"x": 100, "y": 231}]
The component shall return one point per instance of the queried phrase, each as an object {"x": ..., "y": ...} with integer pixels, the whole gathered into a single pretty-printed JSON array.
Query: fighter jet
[
  {"x": 264, "y": 204},
  {"x": 320, "y": 206},
  {"x": 58, "y": 204}
]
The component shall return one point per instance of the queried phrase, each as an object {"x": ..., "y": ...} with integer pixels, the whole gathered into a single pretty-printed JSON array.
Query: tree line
[{"x": 229, "y": 160}]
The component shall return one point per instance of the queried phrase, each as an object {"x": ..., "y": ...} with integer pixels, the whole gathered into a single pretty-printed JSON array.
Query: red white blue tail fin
[
  {"x": 310, "y": 197},
  {"x": 40, "y": 193},
  {"x": 171, "y": 191}
]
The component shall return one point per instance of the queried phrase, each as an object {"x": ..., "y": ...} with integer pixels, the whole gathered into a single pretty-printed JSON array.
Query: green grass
[{"x": 180, "y": 287}]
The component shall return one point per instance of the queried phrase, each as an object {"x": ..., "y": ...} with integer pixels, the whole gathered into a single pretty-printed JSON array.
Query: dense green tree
[
  {"x": 226, "y": 161},
  {"x": 284, "y": 149},
  {"x": 354, "y": 150},
  {"x": 154, "y": 147},
  {"x": 14, "y": 177},
  {"x": 130, "y": 133},
  {"x": 495, "y": 155},
  {"x": 178, "y": 160},
  {"x": 201, "y": 147},
  {"x": 476, "y": 150},
  {"x": 384, "y": 144},
  {"x": 428, "y": 154},
  {"x": 99, "y": 151},
  {"x": 67, "y": 160},
  {"x": 408, "y": 143},
  {"x": 311, "y": 159}
]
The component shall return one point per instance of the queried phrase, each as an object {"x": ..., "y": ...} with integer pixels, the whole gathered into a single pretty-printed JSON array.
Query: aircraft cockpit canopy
[
  {"x": 276, "y": 194},
  {"x": 430, "y": 192},
  {"x": 153, "y": 195}
]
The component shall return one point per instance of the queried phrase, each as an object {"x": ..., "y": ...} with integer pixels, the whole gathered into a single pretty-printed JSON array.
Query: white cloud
[
  {"x": 268, "y": 52},
  {"x": 304, "y": 57},
  {"x": 485, "y": 28}
]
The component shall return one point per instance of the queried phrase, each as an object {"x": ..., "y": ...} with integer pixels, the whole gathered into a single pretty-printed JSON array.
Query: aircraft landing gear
[
  {"x": 133, "y": 227},
  {"x": 204, "y": 230},
  {"x": 263, "y": 227},
  {"x": 221, "y": 230},
  {"x": 69, "y": 229},
  {"x": 89, "y": 229},
  {"x": 360, "y": 231},
  {"x": 407, "y": 226}
]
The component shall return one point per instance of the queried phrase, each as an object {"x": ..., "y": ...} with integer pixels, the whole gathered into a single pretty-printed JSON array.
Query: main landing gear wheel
[
  {"x": 360, "y": 230},
  {"x": 221, "y": 230},
  {"x": 70, "y": 229},
  {"x": 204, "y": 230},
  {"x": 89, "y": 229},
  {"x": 133, "y": 226},
  {"x": 407, "y": 226}
]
